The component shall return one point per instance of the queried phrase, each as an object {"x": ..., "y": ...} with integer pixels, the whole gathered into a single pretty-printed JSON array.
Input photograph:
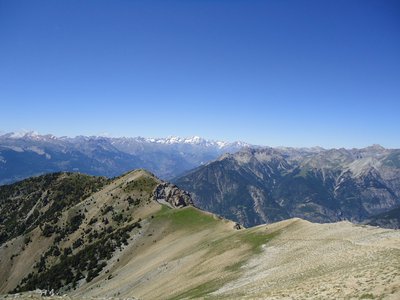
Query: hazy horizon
[{"x": 24, "y": 132}]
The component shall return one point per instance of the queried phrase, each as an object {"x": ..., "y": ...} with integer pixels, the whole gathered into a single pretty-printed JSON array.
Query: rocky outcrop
[{"x": 171, "y": 195}]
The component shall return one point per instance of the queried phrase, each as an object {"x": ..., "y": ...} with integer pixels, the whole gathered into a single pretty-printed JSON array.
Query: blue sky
[{"x": 293, "y": 73}]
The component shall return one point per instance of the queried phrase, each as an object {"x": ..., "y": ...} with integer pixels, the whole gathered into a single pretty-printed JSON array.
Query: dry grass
[
  {"x": 325, "y": 261},
  {"x": 187, "y": 253}
]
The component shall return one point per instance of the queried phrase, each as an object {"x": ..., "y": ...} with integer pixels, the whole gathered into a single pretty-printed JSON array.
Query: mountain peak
[
  {"x": 30, "y": 135},
  {"x": 105, "y": 156},
  {"x": 376, "y": 147},
  {"x": 196, "y": 141},
  {"x": 254, "y": 186}
]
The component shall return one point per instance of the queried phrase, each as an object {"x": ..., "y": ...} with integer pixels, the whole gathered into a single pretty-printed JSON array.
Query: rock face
[
  {"x": 171, "y": 195},
  {"x": 256, "y": 186}
]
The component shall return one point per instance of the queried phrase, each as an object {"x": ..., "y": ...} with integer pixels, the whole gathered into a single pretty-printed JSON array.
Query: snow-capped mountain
[
  {"x": 28, "y": 153},
  {"x": 195, "y": 140}
]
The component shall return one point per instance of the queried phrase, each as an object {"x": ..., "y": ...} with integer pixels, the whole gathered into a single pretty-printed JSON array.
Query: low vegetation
[
  {"x": 38, "y": 200},
  {"x": 186, "y": 218},
  {"x": 143, "y": 184},
  {"x": 100, "y": 247},
  {"x": 72, "y": 267}
]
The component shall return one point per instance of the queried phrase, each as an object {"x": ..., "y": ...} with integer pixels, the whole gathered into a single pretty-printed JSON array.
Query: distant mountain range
[
  {"x": 248, "y": 184},
  {"x": 256, "y": 186},
  {"x": 27, "y": 154}
]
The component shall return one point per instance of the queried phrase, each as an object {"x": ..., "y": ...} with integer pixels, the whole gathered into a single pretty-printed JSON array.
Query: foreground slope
[
  {"x": 132, "y": 235},
  {"x": 293, "y": 259},
  {"x": 140, "y": 238},
  {"x": 325, "y": 261}
]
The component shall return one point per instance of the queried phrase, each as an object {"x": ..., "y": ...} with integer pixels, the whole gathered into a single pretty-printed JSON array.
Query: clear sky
[{"x": 292, "y": 73}]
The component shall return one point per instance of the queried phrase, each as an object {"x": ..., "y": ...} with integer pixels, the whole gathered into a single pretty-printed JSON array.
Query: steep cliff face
[{"x": 255, "y": 186}]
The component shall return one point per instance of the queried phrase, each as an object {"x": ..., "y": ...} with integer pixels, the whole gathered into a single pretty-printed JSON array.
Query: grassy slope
[
  {"x": 193, "y": 220},
  {"x": 185, "y": 253},
  {"x": 188, "y": 253},
  {"x": 91, "y": 226},
  {"x": 321, "y": 261}
]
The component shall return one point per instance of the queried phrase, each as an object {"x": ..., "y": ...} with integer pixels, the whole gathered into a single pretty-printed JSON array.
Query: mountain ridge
[
  {"x": 194, "y": 140},
  {"x": 29, "y": 153},
  {"x": 136, "y": 236},
  {"x": 258, "y": 185}
]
